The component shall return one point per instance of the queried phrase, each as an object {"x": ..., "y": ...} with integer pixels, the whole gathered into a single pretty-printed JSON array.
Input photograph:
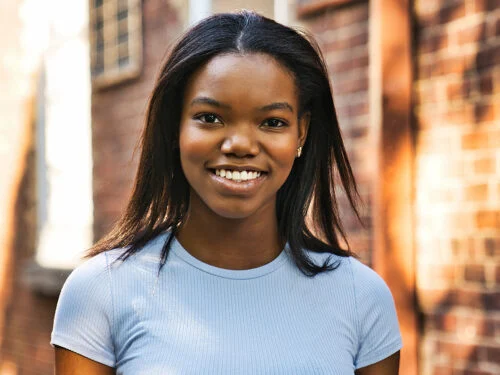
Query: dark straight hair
[{"x": 160, "y": 198}]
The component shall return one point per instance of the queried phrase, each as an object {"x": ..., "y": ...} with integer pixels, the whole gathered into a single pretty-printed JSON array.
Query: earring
[{"x": 299, "y": 151}]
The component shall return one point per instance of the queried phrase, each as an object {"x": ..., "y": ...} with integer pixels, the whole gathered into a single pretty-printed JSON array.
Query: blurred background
[{"x": 417, "y": 89}]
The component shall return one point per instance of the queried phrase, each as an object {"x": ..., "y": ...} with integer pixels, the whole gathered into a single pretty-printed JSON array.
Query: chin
[{"x": 233, "y": 213}]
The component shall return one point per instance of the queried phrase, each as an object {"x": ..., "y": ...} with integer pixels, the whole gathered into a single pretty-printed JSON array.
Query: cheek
[
  {"x": 192, "y": 145},
  {"x": 284, "y": 152}
]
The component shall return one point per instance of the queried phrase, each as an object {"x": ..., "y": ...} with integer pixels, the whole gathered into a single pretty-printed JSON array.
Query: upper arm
[
  {"x": 71, "y": 363},
  {"x": 83, "y": 322},
  {"x": 378, "y": 329},
  {"x": 388, "y": 366}
]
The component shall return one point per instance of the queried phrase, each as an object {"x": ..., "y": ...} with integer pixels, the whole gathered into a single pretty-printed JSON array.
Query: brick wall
[
  {"x": 342, "y": 33},
  {"x": 25, "y": 337},
  {"x": 118, "y": 118},
  {"x": 25, "y": 318},
  {"x": 457, "y": 187}
]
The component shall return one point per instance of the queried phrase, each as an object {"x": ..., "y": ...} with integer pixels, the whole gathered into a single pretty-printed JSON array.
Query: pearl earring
[{"x": 299, "y": 151}]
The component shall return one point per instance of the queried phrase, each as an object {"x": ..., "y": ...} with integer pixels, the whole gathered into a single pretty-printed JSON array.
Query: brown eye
[
  {"x": 274, "y": 123},
  {"x": 208, "y": 118}
]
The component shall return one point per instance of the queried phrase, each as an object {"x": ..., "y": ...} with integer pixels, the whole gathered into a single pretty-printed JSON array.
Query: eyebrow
[
  {"x": 216, "y": 103},
  {"x": 209, "y": 101},
  {"x": 279, "y": 105}
]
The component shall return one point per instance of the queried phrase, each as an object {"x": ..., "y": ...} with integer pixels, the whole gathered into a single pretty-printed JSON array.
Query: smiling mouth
[{"x": 237, "y": 176}]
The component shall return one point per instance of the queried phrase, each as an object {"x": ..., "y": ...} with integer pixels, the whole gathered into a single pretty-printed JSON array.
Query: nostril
[{"x": 240, "y": 146}]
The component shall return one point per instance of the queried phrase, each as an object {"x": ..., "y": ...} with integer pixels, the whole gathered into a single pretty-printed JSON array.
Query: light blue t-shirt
[{"x": 193, "y": 318}]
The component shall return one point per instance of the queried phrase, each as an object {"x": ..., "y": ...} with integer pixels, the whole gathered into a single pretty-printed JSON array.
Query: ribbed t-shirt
[{"x": 194, "y": 318}]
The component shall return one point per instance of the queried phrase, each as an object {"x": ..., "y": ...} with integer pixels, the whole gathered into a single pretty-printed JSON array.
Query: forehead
[{"x": 253, "y": 78}]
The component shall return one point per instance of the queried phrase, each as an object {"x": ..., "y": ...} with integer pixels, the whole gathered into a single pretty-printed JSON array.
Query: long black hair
[{"x": 160, "y": 198}]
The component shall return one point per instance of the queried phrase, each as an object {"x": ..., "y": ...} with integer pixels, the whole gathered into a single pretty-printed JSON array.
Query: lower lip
[{"x": 243, "y": 187}]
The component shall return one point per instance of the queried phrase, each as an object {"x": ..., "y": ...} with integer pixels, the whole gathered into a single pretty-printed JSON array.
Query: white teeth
[{"x": 237, "y": 175}]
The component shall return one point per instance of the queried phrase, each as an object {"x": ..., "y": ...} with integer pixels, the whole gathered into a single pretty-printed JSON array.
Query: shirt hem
[
  {"x": 69, "y": 344},
  {"x": 380, "y": 355}
]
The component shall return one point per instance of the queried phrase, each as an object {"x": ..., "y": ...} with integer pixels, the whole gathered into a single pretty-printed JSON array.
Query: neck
[{"x": 231, "y": 243}]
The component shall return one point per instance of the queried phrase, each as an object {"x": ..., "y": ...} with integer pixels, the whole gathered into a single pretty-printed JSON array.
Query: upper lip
[{"x": 237, "y": 167}]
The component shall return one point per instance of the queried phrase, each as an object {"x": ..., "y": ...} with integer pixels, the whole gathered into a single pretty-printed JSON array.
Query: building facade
[{"x": 416, "y": 87}]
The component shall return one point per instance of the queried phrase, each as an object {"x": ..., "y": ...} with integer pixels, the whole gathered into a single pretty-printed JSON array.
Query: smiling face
[{"x": 239, "y": 134}]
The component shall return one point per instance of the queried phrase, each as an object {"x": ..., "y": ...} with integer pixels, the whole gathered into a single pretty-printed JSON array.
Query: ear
[{"x": 304, "y": 127}]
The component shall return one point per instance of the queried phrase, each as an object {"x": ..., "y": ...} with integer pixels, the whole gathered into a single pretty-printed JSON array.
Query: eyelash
[
  {"x": 282, "y": 123},
  {"x": 203, "y": 118}
]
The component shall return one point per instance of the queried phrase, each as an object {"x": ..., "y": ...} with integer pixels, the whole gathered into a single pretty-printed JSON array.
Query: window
[{"x": 115, "y": 41}]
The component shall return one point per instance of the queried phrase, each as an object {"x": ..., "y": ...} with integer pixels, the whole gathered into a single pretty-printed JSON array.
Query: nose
[{"x": 241, "y": 141}]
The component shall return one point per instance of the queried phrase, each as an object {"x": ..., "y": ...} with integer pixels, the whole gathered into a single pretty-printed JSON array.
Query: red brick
[
  {"x": 473, "y": 299},
  {"x": 488, "y": 219},
  {"x": 432, "y": 42},
  {"x": 493, "y": 354},
  {"x": 484, "y": 165},
  {"x": 351, "y": 85},
  {"x": 485, "y": 112},
  {"x": 432, "y": 299},
  {"x": 492, "y": 247},
  {"x": 474, "y": 273},
  {"x": 475, "y": 140},
  {"x": 343, "y": 66},
  {"x": 459, "y": 351},
  {"x": 451, "y": 13},
  {"x": 446, "y": 322},
  {"x": 425, "y": 94},
  {"x": 472, "y": 34},
  {"x": 458, "y": 64},
  {"x": 428, "y": 70},
  {"x": 440, "y": 273},
  {"x": 460, "y": 114},
  {"x": 346, "y": 43},
  {"x": 477, "y": 192},
  {"x": 443, "y": 370},
  {"x": 485, "y": 5},
  {"x": 459, "y": 90},
  {"x": 494, "y": 28},
  {"x": 481, "y": 325},
  {"x": 473, "y": 372},
  {"x": 486, "y": 84},
  {"x": 358, "y": 109},
  {"x": 463, "y": 246},
  {"x": 337, "y": 18},
  {"x": 488, "y": 57}
]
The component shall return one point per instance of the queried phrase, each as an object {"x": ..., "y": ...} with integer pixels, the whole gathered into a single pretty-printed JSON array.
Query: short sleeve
[
  {"x": 84, "y": 313},
  {"x": 378, "y": 327}
]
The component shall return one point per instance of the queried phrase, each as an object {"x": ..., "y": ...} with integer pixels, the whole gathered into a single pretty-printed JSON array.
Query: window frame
[{"x": 112, "y": 72}]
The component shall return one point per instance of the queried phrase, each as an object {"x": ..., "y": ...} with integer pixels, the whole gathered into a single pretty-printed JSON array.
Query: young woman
[{"x": 228, "y": 257}]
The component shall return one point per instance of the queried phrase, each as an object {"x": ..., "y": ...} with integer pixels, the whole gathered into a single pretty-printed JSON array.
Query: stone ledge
[{"x": 42, "y": 280}]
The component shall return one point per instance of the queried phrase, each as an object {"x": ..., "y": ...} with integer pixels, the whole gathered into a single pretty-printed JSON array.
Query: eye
[
  {"x": 208, "y": 118},
  {"x": 274, "y": 123}
]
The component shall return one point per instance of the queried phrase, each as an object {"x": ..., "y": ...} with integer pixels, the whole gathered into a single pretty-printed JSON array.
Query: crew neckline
[{"x": 251, "y": 273}]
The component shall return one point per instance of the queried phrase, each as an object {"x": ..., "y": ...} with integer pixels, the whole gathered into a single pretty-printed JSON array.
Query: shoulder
[
  {"x": 366, "y": 280},
  {"x": 107, "y": 268},
  {"x": 360, "y": 276},
  {"x": 84, "y": 315},
  {"x": 371, "y": 293},
  {"x": 91, "y": 271},
  {"x": 88, "y": 284},
  {"x": 362, "y": 288}
]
